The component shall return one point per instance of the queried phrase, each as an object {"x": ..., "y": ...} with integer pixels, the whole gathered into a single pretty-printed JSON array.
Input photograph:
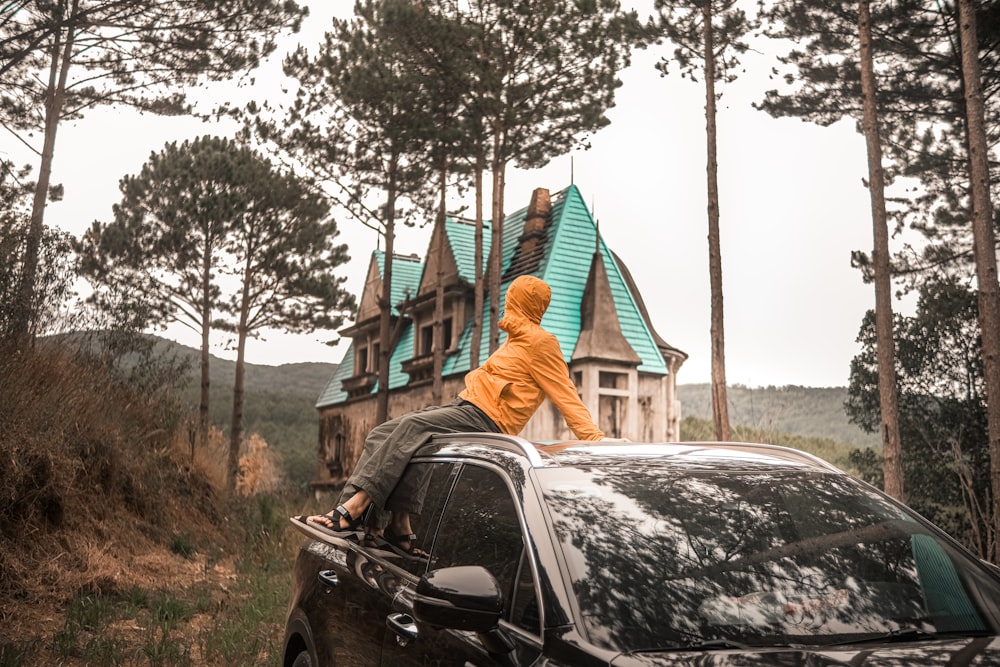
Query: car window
[
  {"x": 425, "y": 487},
  {"x": 524, "y": 611},
  {"x": 480, "y": 527},
  {"x": 758, "y": 557}
]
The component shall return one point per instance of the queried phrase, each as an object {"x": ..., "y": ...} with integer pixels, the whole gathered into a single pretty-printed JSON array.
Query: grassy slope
[{"x": 115, "y": 546}]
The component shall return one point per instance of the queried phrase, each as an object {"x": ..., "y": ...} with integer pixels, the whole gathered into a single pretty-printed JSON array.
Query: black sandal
[
  {"x": 335, "y": 516},
  {"x": 405, "y": 544}
]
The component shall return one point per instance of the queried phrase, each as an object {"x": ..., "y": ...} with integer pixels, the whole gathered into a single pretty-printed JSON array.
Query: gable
[
  {"x": 406, "y": 273},
  {"x": 442, "y": 262}
]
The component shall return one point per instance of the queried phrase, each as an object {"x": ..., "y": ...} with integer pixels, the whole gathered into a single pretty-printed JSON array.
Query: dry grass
[{"x": 101, "y": 504}]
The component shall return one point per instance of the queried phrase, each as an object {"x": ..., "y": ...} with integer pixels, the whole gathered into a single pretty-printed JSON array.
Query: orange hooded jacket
[{"x": 529, "y": 366}]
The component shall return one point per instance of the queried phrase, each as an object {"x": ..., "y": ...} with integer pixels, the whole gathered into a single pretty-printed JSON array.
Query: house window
[
  {"x": 361, "y": 361},
  {"x": 611, "y": 415},
  {"x": 426, "y": 339},
  {"x": 446, "y": 333},
  {"x": 608, "y": 380},
  {"x": 612, "y": 402}
]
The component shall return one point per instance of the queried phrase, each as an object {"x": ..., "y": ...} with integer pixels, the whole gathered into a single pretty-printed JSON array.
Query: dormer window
[
  {"x": 446, "y": 333},
  {"x": 361, "y": 361},
  {"x": 366, "y": 359},
  {"x": 426, "y": 339}
]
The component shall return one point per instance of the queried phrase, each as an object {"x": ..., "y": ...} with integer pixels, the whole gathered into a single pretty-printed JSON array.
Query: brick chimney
[
  {"x": 531, "y": 243},
  {"x": 539, "y": 213}
]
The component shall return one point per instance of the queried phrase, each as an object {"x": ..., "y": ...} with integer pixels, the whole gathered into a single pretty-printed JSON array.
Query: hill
[
  {"x": 279, "y": 402},
  {"x": 301, "y": 379},
  {"x": 808, "y": 411}
]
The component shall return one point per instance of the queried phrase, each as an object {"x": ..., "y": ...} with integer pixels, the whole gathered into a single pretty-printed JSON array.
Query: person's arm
[{"x": 549, "y": 370}]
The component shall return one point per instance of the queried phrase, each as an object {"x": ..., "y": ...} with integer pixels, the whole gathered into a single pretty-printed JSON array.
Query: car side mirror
[{"x": 466, "y": 597}]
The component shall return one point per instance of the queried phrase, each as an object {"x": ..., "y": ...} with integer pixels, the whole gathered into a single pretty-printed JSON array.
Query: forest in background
[
  {"x": 810, "y": 411},
  {"x": 281, "y": 400}
]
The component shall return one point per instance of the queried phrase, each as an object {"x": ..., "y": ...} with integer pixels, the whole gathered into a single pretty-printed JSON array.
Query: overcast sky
[{"x": 792, "y": 208}]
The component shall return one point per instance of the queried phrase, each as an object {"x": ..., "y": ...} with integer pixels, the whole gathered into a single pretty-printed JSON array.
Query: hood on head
[{"x": 528, "y": 297}]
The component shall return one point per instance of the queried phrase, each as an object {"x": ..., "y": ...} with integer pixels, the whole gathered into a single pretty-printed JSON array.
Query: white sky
[{"x": 792, "y": 209}]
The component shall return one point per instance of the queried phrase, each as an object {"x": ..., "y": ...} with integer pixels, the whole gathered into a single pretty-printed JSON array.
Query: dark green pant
[{"x": 390, "y": 446}]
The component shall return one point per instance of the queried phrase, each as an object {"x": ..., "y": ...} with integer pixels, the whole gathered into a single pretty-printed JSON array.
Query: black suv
[{"x": 596, "y": 553}]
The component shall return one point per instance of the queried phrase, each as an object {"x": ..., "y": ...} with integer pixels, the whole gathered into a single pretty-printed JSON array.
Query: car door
[
  {"x": 343, "y": 604},
  {"x": 481, "y": 525},
  {"x": 356, "y": 582}
]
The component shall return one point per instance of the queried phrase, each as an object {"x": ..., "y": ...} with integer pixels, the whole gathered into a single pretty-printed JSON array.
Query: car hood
[{"x": 972, "y": 651}]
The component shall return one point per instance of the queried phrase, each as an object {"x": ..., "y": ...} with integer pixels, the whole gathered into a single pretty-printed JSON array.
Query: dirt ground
[
  {"x": 37, "y": 622},
  {"x": 185, "y": 557}
]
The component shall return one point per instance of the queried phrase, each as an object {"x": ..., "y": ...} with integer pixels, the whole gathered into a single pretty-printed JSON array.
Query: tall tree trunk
[
  {"x": 478, "y": 291},
  {"x": 437, "y": 344},
  {"x": 385, "y": 303},
  {"x": 496, "y": 244},
  {"x": 885, "y": 345},
  {"x": 61, "y": 57},
  {"x": 206, "y": 324},
  {"x": 984, "y": 249},
  {"x": 236, "y": 427},
  {"x": 720, "y": 404}
]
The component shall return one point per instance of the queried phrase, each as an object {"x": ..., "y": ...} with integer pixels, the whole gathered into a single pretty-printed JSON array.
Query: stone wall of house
[{"x": 353, "y": 420}]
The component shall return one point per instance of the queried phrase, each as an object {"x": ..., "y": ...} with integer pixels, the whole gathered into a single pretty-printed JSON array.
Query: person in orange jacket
[{"x": 499, "y": 397}]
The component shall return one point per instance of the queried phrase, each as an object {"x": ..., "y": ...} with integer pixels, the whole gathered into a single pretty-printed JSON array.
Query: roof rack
[
  {"x": 777, "y": 451},
  {"x": 522, "y": 447}
]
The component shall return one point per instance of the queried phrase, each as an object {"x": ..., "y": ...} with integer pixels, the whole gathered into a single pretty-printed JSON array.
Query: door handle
[
  {"x": 329, "y": 578},
  {"x": 404, "y": 627}
]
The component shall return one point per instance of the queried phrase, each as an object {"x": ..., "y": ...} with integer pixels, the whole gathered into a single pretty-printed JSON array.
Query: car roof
[{"x": 589, "y": 452}]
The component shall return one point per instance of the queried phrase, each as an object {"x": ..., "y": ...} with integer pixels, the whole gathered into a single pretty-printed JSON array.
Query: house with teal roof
[{"x": 625, "y": 372}]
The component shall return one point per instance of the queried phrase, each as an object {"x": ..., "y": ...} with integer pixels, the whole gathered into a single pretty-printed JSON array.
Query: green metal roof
[
  {"x": 406, "y": 275},
  {"x": 569, "y": 251},
  {"x": 462, "y": 238},
  {"x": 572, "y": 241},
  {"x": 565, "y": 266},
  {"x": 402, "y": 352},
  {"x": 333, "y": 392}
]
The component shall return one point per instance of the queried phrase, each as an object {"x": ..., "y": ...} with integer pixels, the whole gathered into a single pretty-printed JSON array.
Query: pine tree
[
  {"x": 547, "y": 74},
  {"x": 709, "y": 36},
  {"x": 920, "y": 97},
  {"x": 165, "y": 242},
  {"x": 66, "y": 56},
  {"x": 281, "y": 243},
  {"x": 888, "y": 400},
  {"x": 374, "y": 107},
  {"x": 984, "y": 246},
  {"x": 204, "y": 214}
]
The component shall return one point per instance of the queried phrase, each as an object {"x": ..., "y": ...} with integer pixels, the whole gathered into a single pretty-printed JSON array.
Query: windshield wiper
[
  {"x": 715, "y": 644},
  {"x": 910, "y": 635},
  {"x": 696, "y": 645}
]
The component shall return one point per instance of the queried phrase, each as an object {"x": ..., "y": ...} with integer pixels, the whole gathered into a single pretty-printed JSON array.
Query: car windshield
[{"x": 662, "y": 559}]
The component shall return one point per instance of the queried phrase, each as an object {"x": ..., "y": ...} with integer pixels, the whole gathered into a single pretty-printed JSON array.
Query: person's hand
[{"x": 606, "y": 439}]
